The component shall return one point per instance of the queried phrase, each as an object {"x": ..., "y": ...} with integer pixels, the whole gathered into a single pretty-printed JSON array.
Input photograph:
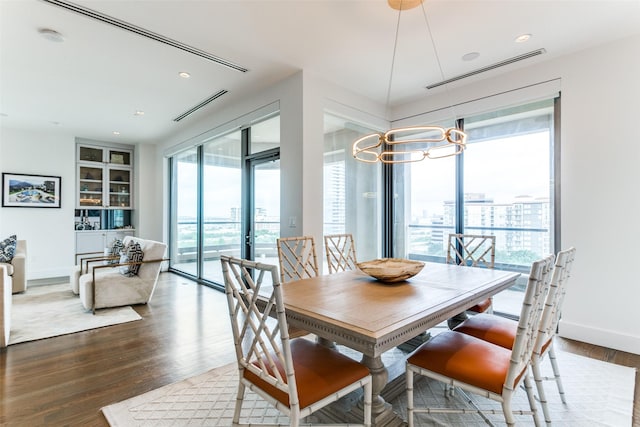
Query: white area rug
[
  {"x": 598, "y": 394},
  {"x": 52, "y": 310}
]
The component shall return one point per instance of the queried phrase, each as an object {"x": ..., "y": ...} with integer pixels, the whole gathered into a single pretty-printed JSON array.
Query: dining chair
[
  {"x": 502, "y": 331},
  {"x": 472, "y": 250},
  {"x": 480, "y": 367},
  {"x": 296, "y": 376},
  {"x": 341, "y": 252},
  {"x": 297, "y": 258}
]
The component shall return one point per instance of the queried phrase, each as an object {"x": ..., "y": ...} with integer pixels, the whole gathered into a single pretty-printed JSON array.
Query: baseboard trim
[
  {"x": 48, "y": 281},
  {"x": 601, "y": 337}
]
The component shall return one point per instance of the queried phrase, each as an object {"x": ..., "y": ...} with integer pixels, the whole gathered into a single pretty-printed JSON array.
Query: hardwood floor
[{"x": 185, "y": 331}]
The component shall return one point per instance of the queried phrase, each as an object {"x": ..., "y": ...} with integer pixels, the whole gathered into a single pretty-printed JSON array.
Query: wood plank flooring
[{"x": 185, "y": 331}]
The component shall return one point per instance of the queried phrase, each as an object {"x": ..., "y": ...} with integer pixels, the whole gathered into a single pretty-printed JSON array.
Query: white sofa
[
  {"x": 104, "y": 286},
  {"x": 17, "y": 268},
  {"x": 5, "y": 306}
]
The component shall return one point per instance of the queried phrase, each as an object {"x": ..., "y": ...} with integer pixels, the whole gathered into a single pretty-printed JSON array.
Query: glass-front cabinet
[
  {"x": 105, "y": 178},
  {"x": 119, "y": 188},
  {"x": 90, "y": 186}
]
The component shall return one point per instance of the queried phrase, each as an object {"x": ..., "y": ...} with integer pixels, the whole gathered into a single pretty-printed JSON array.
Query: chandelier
[{"x": 414, "y": 143}]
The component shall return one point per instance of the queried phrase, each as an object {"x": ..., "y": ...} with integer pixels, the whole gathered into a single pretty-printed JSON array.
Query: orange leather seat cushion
[
  {"x": 488, "y": 327},
  {"x": 320, "y": 372},
  {"x": 465, "y": 358},
  {"x": 494, "y": 329},
  {"x": 482, "y": 306}
]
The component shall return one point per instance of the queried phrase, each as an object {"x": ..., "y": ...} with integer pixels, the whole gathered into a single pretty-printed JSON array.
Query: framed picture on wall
[{"x": 30, "y": 191}]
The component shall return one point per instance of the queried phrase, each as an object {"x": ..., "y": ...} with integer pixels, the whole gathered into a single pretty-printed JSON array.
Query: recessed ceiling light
[
  {"x": 139, "y": 113},
  {"x": 522, "y": 38},
  {"x": 470, "y": 56},
  {"x": 115, "y": 132},
  {"x": 51, "y": 35},
  {"x": 184, "y": 74}
]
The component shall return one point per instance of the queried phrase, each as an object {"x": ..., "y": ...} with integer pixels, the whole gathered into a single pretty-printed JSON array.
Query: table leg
[{"x": 381, "y": 412}]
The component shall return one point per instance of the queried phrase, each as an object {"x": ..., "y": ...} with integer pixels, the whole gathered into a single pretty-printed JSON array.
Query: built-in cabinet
[
  {"x": 104, "y": 178},
  {"x": 104, "y": 194}
]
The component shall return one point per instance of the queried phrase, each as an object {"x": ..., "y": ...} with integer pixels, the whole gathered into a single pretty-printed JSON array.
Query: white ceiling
[{"x": 92, "y": 83}]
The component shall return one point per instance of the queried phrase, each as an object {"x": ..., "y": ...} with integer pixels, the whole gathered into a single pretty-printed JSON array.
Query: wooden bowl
[{"x": 391, "y": 270}]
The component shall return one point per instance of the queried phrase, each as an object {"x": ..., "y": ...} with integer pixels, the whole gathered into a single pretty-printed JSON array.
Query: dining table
[{"x": 372, "y": 317}]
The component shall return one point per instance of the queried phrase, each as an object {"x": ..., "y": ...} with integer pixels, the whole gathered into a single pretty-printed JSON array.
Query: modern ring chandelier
[{"x": 395, "y": 145}]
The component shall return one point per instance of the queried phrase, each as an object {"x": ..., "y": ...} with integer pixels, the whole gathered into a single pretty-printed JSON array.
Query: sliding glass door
[
  {"x": 264, "y": 221},
  {"x": 226, "y": 201}
]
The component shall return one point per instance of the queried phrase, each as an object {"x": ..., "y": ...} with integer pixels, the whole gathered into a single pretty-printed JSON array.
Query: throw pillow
[
  {"x": 132, "y": 253},
  {"x": 8, "y": 248},
  {"x": 115, "y": 250}
]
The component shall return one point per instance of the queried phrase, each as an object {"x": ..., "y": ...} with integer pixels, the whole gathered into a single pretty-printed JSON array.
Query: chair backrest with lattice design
[
  {"x": 472, "y": 250},
  {"x": 341, "y": 252},
  {"x": 532, "y": 307},
  {"x": 262, "y": 344},
  {"x": 553, "y": 304},
  {"x": 297, "y": 258}
]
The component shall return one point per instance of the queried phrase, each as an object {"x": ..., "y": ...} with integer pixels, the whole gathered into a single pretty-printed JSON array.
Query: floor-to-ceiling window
[
  {"x": 185, "y": 236},
  {"x": 352, "y": 190},
  {"x": 225, "y": 199},
  {"x": 422, "y": 193},
  {"x": 502, "y": 185},
  {"x": 221, "y": 202}
]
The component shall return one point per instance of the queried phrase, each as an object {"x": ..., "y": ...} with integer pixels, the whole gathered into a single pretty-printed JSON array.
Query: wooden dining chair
[
  {"x": 472, "y": 250},
  {"x": 502, "y": 331},
  {"x": 296, "y": 376},
  {"x": 480, "y": 367},
  {"x": 341, "y": 252},
  {"x": 297, "y": 258}
]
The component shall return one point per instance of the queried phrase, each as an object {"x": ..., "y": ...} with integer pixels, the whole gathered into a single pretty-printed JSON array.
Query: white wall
[
  {"x": 600, "y": 143},
  {"x": 600, "y": 203},
  {"x": 148, "y": 208},
  {"x": 48, "y": 231}
]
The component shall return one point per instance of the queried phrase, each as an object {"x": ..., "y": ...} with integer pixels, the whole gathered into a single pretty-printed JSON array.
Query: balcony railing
[
  {"x": 223, "y": 238},
  {"x": 513, "y": 252}
]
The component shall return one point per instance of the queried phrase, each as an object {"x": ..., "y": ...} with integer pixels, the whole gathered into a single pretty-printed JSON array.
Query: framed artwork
[{"x": 30, "y": 191}]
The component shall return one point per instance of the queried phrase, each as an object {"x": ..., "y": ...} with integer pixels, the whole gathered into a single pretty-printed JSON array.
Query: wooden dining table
[{"x": 355, "y": 310}]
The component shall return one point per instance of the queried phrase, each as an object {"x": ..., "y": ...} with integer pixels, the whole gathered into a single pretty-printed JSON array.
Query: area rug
[
  {"x": 598, "y": 394},
  {"x": 52, "y": 310}
]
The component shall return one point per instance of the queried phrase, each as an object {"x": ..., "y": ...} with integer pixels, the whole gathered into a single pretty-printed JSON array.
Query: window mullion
[{"x": 459, "y": 221}]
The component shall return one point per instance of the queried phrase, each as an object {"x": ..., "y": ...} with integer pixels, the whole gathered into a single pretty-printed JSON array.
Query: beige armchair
[
  {"x": 84, "y": 263},
  {"x": 5, "y": 305},
  {"x": 17, "y": 268},
  {"x": 104, "y": 286}
]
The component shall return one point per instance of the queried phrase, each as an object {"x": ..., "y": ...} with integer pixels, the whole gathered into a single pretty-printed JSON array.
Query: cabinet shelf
[{"x": 104, "y": 177}]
